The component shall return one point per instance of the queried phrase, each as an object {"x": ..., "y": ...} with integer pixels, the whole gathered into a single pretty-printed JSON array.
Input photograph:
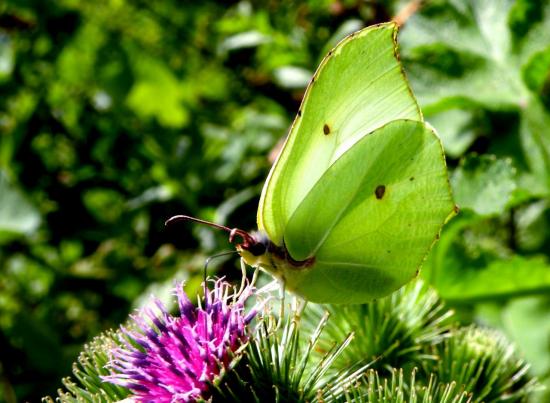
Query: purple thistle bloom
[{"x": 173, "y": 358}]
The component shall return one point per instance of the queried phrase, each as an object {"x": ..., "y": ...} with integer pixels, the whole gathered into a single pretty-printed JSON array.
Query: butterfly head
[{"x": 256, "y": 249}]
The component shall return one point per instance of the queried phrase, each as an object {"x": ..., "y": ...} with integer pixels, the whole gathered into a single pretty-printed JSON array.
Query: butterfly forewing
[{"x": 358, "y": 87}]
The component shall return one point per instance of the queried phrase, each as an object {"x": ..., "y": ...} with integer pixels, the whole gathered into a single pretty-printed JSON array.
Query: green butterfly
[{"x": 359, "y": 192}]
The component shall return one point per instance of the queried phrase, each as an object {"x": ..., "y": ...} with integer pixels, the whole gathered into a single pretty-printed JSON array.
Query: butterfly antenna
[
  {"x": 233, "y": 232},
  {"x": 180, "y": 218},
  {"x": 210, "y": 258}
]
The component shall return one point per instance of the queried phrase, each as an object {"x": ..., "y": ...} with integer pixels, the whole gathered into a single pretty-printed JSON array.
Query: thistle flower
[
  {"x": 485, "y": 364},
  {"x": 175, "y": 358}
]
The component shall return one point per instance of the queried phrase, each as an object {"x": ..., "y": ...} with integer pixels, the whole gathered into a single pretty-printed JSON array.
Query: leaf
[
  {"x": 492, "y": 55},
  {"x": 472, "y": 262},
  {"x": 157, "y": 93},
  {"x": 527, "y": 321},
  {"x": 535, "y": 139},
  {"x": 536, "y": 73},
  {"x": 472, "y": 52},
  {"x": 40, "y": 343},
  {"x": 249, "y": 39},
  {"x": 17, "y": 215},
  {"x": 7, "y": 57},
  {"x": 106, "y": 205},
  {"x": 532, "y": 225},
  {"x": 523, "y": 15},
  {"x": 292, "y": 77},
  {"x": 484, "y": 184},
  {"x": 505, "y": 278},
  {"x": 455, "y": 128},
  {"x": 475, "y": 36}
]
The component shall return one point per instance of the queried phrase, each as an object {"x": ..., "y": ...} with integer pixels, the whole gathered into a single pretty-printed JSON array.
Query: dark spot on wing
[
  {"x": 411, "y": 178},
  {"x": 456, "y": 209},
  {"x": 379, "y": 191},
  {"x": 326, "y": 129}
]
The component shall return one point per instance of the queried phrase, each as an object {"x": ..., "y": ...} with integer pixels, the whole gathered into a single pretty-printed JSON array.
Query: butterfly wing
[
  {"x": 358, "y": 87},
  {"x": 372, "y": 217}
]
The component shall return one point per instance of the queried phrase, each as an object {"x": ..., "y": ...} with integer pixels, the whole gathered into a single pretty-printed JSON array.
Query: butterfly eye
[{"x": 257, "y": 248}]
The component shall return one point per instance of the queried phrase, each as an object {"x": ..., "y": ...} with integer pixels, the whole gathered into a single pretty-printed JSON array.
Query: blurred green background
[{"x": 115, "y": 115}]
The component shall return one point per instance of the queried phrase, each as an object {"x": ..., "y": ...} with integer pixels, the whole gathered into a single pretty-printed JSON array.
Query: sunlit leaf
[
  {"x": 501, "y": 278},
  {"x": 292, "y": 77},
  {"x": 157, "y": 93},
  {"x": 533, "y": 225},
  {"x": 536, "y": 73},
  {"x": 17, "y": 215},
  {"x": 526, "y": 319},
  {"x": 535, "y": 138},
  {"x": 476, "y": 35},
  {"x": 455, "y": 129},
  {"x": 248, "y": 39},
  {"x": 7, "y": 57},
  {"x": 484, "y": 184}
]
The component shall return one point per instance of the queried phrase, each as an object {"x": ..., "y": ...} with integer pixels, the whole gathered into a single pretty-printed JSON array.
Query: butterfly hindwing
[{"x": 371, "y": 218}]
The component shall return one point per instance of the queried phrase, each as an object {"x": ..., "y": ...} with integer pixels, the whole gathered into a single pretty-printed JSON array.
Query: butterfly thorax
[{"x": 258, "y": 250}]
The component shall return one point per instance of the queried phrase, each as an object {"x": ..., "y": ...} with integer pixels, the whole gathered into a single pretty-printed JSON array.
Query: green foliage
[
  {"x": 91, "y": 365},
  {"x": 484, "y": 184},
  {"x": 115, "y": 116},
  {"x": 480, "y": 70},
  {"x": 17, "y": 216}
]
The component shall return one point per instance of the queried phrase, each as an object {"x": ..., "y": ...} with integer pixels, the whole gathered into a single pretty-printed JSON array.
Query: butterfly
[{"x": 359, "y": 192}]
